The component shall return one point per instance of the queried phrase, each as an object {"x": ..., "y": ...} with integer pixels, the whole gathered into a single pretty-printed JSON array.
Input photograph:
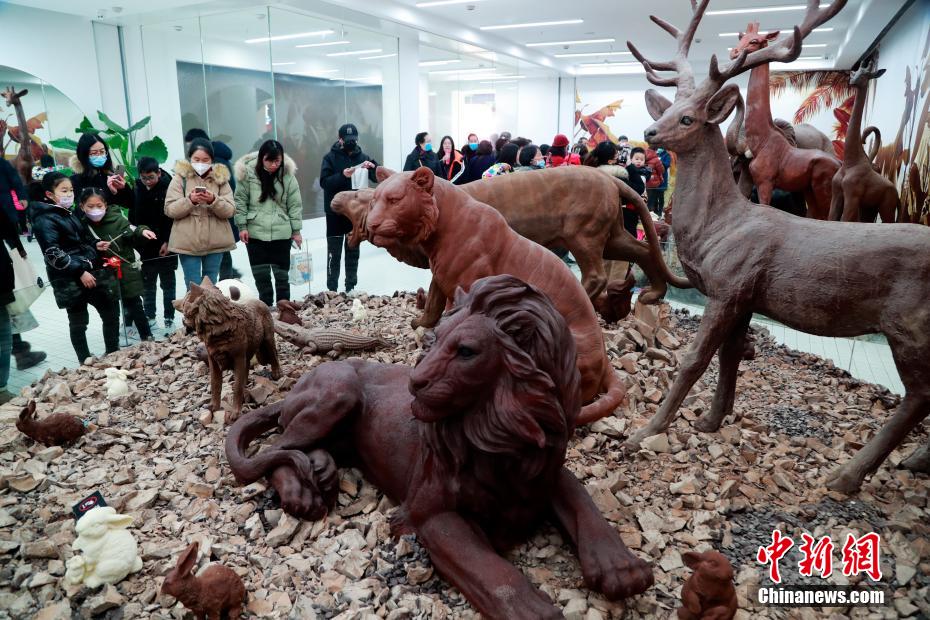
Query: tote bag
[{"x": 27, "y": 285}]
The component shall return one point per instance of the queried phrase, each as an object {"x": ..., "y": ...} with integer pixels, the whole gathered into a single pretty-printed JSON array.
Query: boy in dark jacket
[
  {"x": 335, "y": 177},
  {"x": 638, "y": 173},
  {"x": 157, "y": 262}
]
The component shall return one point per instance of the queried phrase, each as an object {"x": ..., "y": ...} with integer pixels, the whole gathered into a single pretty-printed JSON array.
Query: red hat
[{"x": 560, "y": 140}]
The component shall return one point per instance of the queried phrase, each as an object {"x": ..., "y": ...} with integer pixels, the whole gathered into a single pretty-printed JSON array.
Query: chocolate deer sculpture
[
  {"x": 24, "y": 159},
  {"x": 823, "y": 278},
  {"x": 774, "y": 162},
  {"x": 859, "y": 192}
]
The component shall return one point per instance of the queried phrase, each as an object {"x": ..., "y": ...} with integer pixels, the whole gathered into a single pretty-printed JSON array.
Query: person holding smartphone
[
  {"x": 93, "y": 166},
  {"x": 269, "y": 213},
  {"x": 200, "y": 201}
]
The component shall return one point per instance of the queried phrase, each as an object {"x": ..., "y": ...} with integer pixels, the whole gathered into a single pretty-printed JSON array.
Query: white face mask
[
  {"x": 66, "y": 201},
  {"x": 96, "y": 215},
  {"x": 201, "y": 168}
]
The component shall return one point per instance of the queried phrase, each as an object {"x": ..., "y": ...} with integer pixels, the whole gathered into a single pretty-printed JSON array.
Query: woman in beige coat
[{"x": 200, "y": 201}]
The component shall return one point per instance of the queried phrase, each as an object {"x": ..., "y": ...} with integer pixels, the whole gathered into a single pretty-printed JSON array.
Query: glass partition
[{"x": 465, "y": 89}]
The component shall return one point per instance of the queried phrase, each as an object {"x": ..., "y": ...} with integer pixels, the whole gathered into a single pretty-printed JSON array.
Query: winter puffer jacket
[
  {"x": 658, "y": 170},
  {"x": 123, "y": 243},
  {"x": 276, "y": 218},
  {"x": 69, "y": 251},
  {"x": 201, "y": 229}
]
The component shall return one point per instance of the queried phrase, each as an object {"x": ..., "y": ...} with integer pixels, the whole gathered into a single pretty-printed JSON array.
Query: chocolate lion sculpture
[{"x": 470, "y": 443}]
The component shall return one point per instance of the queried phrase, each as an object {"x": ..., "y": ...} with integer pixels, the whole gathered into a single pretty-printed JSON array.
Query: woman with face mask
[
  {"x": 200, "y": 201},
  {"x": 117, "y": 240},
  {"x": 93, "y": 166},
  {"x": 269, "y": 214},
  {"x": 422, "y": 154},
  {"x": 451, "y": 163},
  {"x": 75, "y": 268}
]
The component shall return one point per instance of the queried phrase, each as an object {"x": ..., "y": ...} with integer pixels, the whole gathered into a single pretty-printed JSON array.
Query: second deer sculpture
[{"x": 825, "y": 278}]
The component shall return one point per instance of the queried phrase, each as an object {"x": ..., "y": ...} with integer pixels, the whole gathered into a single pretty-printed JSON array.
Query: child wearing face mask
[
  {"x": 75, "y": 268},
  {"x": 117, "y": 239}
]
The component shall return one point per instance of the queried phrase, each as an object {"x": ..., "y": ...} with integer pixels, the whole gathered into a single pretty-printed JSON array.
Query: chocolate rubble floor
[{"x": 157, "y": 454}]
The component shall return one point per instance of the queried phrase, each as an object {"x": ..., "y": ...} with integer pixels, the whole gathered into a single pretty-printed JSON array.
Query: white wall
[{"x": 58, "y": 48}]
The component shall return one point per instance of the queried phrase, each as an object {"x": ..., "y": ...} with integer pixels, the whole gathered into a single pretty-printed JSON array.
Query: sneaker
[{"x": 132, "y": 333}]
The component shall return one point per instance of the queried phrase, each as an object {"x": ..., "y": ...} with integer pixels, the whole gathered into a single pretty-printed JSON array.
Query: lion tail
[
  {"x": 606, "y": 404},
  {"x": 245, "y": 430}
]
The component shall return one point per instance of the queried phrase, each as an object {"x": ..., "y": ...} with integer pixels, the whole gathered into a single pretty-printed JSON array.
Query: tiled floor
[{"x": 379, "y": 273}]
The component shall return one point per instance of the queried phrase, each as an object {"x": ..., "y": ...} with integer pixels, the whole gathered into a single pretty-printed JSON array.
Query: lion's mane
[{"x": 535, "y": 402}]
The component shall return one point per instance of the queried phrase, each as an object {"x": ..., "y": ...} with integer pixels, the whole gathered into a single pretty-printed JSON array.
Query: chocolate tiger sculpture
[
  {"x": 466, "y": 240},
  {"x": 470, "y": 443}
]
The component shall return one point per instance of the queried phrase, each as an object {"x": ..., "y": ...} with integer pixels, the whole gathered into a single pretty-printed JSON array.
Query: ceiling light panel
[
  {"x": 438, "y": 63},
  {"x": 429, "y": 3},
  {"x": 736, "y": 34},
  {"x": 561, "y": 22},
  {"x": 578, "y": 42},
  {"x": 589, "y": 54},
  {"x": 763, "y": 9},
  {"x": 355, "y": 52},
  {"x": 287, "y": 37},
  {"x": 378, "y": 57},
  {"x": 327, "y": 44}
]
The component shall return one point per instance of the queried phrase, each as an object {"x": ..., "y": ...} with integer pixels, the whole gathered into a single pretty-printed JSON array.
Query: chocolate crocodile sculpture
[{"x": 320, "y": 341}]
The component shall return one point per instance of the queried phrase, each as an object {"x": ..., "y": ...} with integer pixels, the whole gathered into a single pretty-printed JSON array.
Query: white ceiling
[{"x": 451, "y": 26}]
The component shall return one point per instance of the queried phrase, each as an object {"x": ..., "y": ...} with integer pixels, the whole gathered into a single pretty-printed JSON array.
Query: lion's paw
[
  {"x": 297, "y": 499},
  {"x": 616, "y": 573}
]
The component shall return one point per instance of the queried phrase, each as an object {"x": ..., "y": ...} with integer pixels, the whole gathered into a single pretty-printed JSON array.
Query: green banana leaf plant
[{"x": 124, "y": 148}]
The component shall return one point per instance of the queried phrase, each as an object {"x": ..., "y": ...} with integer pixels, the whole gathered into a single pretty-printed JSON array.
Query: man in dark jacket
[
  {"x": 423, "y": 155},
  {"x": 157, "y": 262},
  {"x": 336, "y": 176}
]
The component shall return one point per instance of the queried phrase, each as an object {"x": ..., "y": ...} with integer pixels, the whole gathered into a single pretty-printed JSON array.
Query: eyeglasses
[
  {"x": 149, "y": 178},
  {"x": 97, "y": 152}
]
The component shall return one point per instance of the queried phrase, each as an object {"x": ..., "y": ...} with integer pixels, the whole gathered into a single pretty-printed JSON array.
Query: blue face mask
[
  {"x": 98, "y": 161},
  {"x": 428, "y": 147},
  {"x": 541, "y": 163},
  {"x": 473, "y": 146}
]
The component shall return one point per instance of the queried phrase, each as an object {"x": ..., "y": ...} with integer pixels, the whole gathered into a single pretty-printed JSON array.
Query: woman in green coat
[
  {"x": 269, "y": 216},
  {"x": 117, "y": 239}
]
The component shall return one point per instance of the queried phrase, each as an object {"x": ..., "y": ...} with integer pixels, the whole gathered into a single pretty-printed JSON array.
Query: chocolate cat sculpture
[
  {"x": 58, "y": 429},
  {"x": 547, "y": 207},
  {"x": 215, "y": 591},
  {"x": 470, "y": 443},
  {"x": 708, "y": 594},
  {"x": 826, "y": 278},
  {"x": 466, "y": 240},
  {"x": 233, "y": 332}
]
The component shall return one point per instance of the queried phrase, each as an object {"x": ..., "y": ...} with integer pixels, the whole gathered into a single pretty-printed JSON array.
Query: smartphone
[
  {"x": 119, "y": 170},
  {"x": 200, "y": 189}
]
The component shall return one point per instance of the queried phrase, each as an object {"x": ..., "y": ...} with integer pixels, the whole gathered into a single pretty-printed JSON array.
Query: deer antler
[
  {"x": 785, "y": 49},
  {"x": 684, "y": 77}
]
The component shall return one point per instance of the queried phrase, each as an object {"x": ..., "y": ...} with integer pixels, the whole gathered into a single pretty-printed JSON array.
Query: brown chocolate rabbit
[
  {"x": 218, "y": 589},
  {"x": 708, "y": 594},
  {"x": 57, "y": 429}
]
